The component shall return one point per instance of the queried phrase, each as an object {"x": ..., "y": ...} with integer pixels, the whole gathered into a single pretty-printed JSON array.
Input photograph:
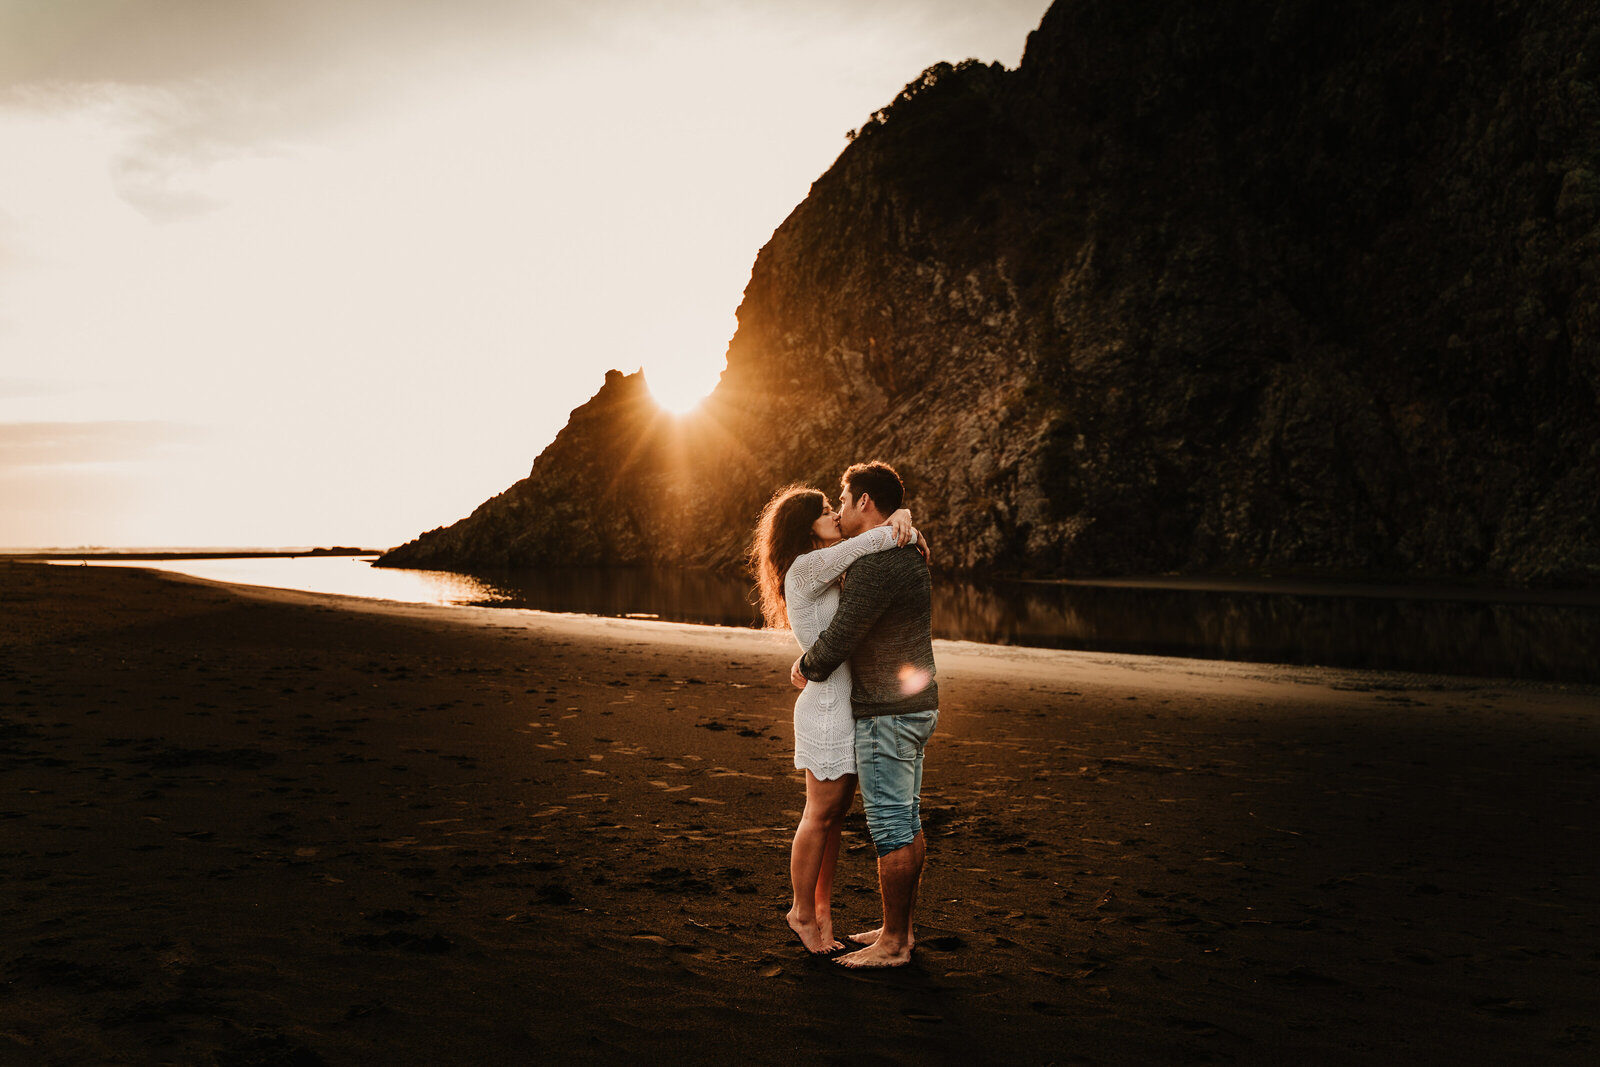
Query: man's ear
[{"x": 863, "y": 500}]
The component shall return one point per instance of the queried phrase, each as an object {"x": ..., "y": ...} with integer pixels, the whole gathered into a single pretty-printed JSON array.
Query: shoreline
[
  {"x": 1398, "y": 589},
  {"x": 1548, "y": 638},
  {"x": 1420, "y": 590},
  {"x": 1131, "y": 665},
  {"x": 247, "y": 822},
  {"x": 112, "y": 556}
]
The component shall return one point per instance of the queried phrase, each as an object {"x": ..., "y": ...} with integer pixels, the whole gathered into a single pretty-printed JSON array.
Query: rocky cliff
[{"x": 1209, "y": 287}]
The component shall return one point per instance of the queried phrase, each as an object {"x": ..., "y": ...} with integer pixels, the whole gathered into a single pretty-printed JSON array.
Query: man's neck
[{"x": 871, "y": 520}]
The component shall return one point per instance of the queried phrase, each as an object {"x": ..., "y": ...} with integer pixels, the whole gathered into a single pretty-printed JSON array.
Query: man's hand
[{"x": 795, "y": 676}]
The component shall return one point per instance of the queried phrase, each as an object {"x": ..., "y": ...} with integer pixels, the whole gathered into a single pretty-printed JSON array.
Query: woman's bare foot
[
  {"x": 812, "y": 937},
  {"x": 825, "y": 929}
]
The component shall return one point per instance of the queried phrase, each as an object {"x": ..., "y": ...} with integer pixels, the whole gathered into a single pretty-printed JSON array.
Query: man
[{"x": 884, "y": 627}]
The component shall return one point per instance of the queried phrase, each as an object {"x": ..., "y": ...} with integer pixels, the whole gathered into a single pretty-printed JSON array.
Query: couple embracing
[{"x": 869, "y": 702}]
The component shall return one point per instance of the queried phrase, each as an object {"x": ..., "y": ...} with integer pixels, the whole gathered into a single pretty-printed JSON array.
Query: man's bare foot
[
  {"x": 811, "y": 937},
  {"x": 874, "y": 955},
  {"x": 870, "y": 937}
]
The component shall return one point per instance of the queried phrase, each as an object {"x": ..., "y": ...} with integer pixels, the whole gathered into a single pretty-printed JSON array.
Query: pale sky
[{"x": 315, "y": 272}]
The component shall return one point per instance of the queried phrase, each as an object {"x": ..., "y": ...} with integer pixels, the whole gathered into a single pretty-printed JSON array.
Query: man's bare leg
[{"x": 899, "y": 874}]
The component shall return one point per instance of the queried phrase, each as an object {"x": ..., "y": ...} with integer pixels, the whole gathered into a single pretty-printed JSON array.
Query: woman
[{"x": 798, "y": 556}]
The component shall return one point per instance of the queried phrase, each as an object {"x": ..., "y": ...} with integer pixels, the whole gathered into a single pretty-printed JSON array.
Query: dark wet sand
[{"x": 257, "y": 827}]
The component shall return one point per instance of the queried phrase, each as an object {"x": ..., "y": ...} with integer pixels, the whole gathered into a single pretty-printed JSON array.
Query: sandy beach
[{"x": 245, "y": 826}]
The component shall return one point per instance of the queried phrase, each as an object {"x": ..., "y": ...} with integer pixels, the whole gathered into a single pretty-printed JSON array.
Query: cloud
[
  {"x": 159, "y": 201},
  {"x": 173, "y": 135},
  {"x": 191, "y": 84},
  {"x": 70, "y": 444},
  {"x": 14, "y": 387},
  {"x": 200, "y": 82},
  {"x": 159, "y": 42},
  {"x": 153, "y": 42}
]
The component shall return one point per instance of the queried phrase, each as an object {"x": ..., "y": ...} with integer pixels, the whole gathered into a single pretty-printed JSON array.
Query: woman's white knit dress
[{"x": 824, "y": 729}]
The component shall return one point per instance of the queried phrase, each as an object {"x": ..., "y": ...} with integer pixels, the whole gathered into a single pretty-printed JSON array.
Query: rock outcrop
[{"x": 1199, "y": 288}]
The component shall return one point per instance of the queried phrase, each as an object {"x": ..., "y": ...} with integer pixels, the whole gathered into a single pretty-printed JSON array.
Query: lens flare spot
[{"x": 913, "y": 680}]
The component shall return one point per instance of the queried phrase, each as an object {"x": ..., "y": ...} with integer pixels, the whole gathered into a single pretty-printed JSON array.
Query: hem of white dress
[{"x": 835, "y": 776}]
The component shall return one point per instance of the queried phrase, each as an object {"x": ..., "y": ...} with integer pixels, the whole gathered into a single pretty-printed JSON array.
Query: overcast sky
[{"x": 301, "y": 272}]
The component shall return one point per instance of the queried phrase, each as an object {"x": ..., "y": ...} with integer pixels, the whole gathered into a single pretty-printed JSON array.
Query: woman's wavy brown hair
[{"x": 782, "y": 534}]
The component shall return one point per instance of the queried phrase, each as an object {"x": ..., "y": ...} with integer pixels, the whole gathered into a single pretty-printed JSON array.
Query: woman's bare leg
[
  {"x": 813, "y": 857},
  {"x": 823, "y": 899}
]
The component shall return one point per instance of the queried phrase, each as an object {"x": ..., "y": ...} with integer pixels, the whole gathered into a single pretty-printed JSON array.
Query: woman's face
[{"x": 826, "y": 528}]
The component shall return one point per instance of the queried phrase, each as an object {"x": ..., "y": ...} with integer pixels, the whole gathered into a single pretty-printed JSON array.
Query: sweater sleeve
[
  {"x": 811, "y": 572},
  {"x": 861, "y": 601}
]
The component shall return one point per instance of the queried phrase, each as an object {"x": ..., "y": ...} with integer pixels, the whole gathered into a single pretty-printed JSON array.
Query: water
[
  {"x": 1542, "y": 641},
  {"x": 1548, "y": 638}
]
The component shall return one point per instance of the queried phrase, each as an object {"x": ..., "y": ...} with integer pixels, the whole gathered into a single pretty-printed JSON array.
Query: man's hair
[{"x": 878, "y": 481}]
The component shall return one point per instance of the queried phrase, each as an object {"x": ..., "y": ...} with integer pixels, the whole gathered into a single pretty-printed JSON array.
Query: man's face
[{"x": 851, "y": 520}]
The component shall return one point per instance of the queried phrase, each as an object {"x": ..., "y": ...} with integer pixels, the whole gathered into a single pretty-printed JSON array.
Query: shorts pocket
[{"x": 911, "y": 733}]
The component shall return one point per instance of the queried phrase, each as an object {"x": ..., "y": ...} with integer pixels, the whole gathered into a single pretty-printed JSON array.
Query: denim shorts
[{"x": 889, "y": 765}]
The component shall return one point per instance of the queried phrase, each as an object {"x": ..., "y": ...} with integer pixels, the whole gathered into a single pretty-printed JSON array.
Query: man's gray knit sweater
[{"x": 884, "y": 627}]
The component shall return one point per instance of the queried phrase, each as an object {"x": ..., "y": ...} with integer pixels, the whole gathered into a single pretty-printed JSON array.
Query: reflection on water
[
  {"x": 670, "y": 594},
  {"x": 343, "y": 575},
  {"x": 1553, "y": 642}
]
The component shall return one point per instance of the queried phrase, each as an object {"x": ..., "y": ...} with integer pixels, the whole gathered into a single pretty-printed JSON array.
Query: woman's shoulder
[
  {"x": 796, "y": 570},
  {"x": 810, "y": 555}
]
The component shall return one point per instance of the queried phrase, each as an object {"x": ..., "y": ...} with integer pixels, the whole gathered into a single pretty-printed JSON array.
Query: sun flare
[
  {"x": 677, "y": 394},
  {"x": 676, "y": 404}
]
